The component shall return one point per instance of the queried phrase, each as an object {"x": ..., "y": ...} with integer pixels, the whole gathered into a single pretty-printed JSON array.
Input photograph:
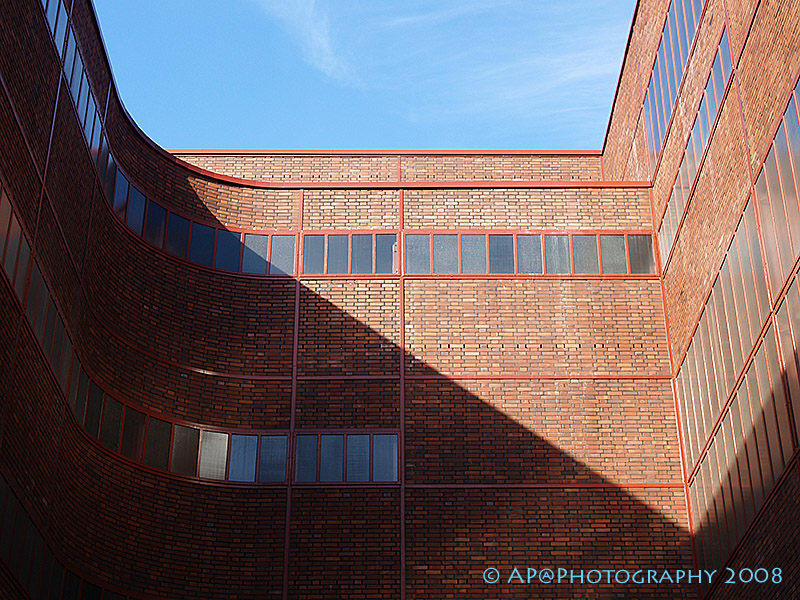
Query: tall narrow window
[
  {"x": 177, "y": 236},
  {"x": 357, "y": 458},
  {"x": 584, "y": 248},
  {"x": 281, "y": 260},
  {"x": 135, "y": 214},
  {"x": 385, "y": 253},
  {"x": 445, "y": 254},
  {"x": 272, "y": 459},
  {"x": 306, "y": 458},
  {"x": 501, "y": 253},
  {"x": 243, "y": 458},
  {"x": 641, "y": 251},
  {"x": 213, "y": 455},
  {"x": 418, "y": 253},
  {"x": 615, "y": 259},
  {"x": 556, "y": 250},
  {"x": 384, "y": 457},
  {"x": 473, "y": 253},
  {"x": 184, "y": 450},
  {"x": 331, "y": 458},
  {"x": 201, "y": 250},
  {"x": 229, "y": 248},
  {"x": 313, "y": 254},
  {"x": 156, "y": 224},
  {"x": 362, "y": 254},
  {"x": 156, "y": 449},
  {"x": 338, "y": 247},
  {"x": 255, "y": 254},
  {"x": 133, "y": 434}
]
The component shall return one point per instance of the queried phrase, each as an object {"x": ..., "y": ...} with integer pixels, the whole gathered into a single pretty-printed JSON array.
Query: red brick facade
[{"x": 159, "y": 394}]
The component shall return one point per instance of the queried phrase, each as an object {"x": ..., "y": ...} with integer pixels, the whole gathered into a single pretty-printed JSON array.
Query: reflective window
[
  {"x": 184, "y": 450},
  {"x": 243, "y": 458},
  {"x": 14, "y": 236},
  {"x": 201, "y": 248},
  {"x": 418, "y": 253},
  {"x": 156, "y": 449},
  {"x": 357, "y": 458},
  {"x": 362, "y": 254},
  {"x": 272, "y": 459},
  {"x": 556, "y": 251},
  {"x": 94, "y": 408},
  {"x": 338, "y": 250},
  {"x": 121, "y": 195},
  {"x": 314, "y": 254},
  {"x": 384, "y": 457},
  {"x": 229, "y": 248},
  {"x": 281, "y": 260},
  {"x": 615, "y": 259},
  {"x": 133, "y": 434},
  {"x": 385, "y": 253},
  {"x": 445, "y": 253},
  {"x": 584, "y": 248},
  {"x": 135, "y": 214},
  {"x": 156, "y": 224},
  {"x": 641, "y": 251},
  {"x": 331, "y": 458},
  {"x": 255, "y": 254},
  {"x": 177, "y": 236},
  {"x": 306, "y": 458},
  {"x": 473, "y": 253},
  {"x": 501, "y": 253},
  {"x": 112, "y": 423},
  {"x": 213, "y": 455}
]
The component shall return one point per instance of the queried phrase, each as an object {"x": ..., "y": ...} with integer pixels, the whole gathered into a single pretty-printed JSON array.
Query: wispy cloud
[
  {"x": 308, "y": 23},
  {"x": 447, "y": 13}
]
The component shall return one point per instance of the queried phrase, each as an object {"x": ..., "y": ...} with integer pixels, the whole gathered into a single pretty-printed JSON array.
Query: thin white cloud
[
  {"x": 308, "y": 23},
  {"x": 447, "y": 13}
]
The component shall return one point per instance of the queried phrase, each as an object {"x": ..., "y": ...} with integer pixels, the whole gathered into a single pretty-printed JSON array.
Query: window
[
  {"x": 213, "y": 455},
  {"x": 615, "y": 259},
  {"x": 243, "y": 458},
  {"x": 473, "y": 253},
  {"x": 306, "y": 458},
  {"x": 156, "y": 224},
  {"x": 121, "y": 195},
  {"x": 384, "y": 462},
  {"x": 362, "y": 254},
  {"x": 135, "y": 214},
  {"x": 281, "y": 261},
  {"x": 94, "y": 409},
  {"x": 331, "y": 458},
  {"x": 346, "y": 457},
  {"x": 272, "y": 459},
  {"x": 133, "y": 434},
  {"x": 201, "y": 248},
  {"x": 529, "y": 253},
  {"x": 585, "y": 251},
  {"x": 184, "y": 450},
  {"x": 445, "y": 254},
  {"x": 255, "y": 254},
  {"x": 156, "y": 449},
  {"x": 338, "y": 250},
  {"x": 418, "y": 253},
  {"x": 501, "y": 253},
  {"x": 112, "y": 423},
  {"x": 314, "y": 254},
  {"x": 177, "y": 236},
  {"x": 229, "y": 248},
  {"x": 357, "y": 458},
  {"x": 556, "y": 251},
  {"x": 641, "y": 252},
  {"x": 385, "y": 253}
]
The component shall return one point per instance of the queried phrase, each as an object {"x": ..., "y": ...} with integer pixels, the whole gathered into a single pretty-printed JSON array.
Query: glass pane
[
  {"x": 445, "y": 254},
  {"x": 37, "y": 287},
  {"x": 418, "y": 254},
  {"x": 787, "y": 187},
  {"x": 201, "y": 248},
  {"x": 156, "y": 224},
  {"x": 229, "y": 248},
  {"x": 362, "y": 254},
  {"x": 255, "y": 254},
  {"x": 384, "y": 457},
  {"x": 184, "y": 450},
  {"x": 135, "y": 214},
  {"x": 794, "y": 314},
  {"x": 779, "y": 220},
  {"x": 121, "y": 195},
  {"x": 641, "y": 250},
  {"x": 778, "y": 395},
  {"x": 74, "y": 376},
  {"x": 313, "y": 254},
  {"x": 213, "y": 455},
  {"x": 94, "y": 408},
  {"x": 21, "y": 277},
  {"x": 529, "y": 253},
  {"x": 612, "y": 247},
  {"x": 95, "y": 143},
  {"x": 306, "y": 458},
  {"x": 357, "y": 458},
  {"x": 338, "y": 249},
  {"x": 473, "y": 253},
  {"x": 110, "y": 178},
  {"x": 331, "y": 457},
  {"x": 156, "y": 450},
  {"x": 755, "y": 257},
  {"x": 768, "y": 410},
  {"x": 272, "y": 460},
  {"x": 112, "y": 423},
  {"x": 740, "y": 245},
  {"x": 793, "y": 135},
  {"x": 385, "y": 253},
  {"x": 742, "y": 460},
  {"x": 102, "y": 158},
  {"x": 91, "y": 109},
  {"x": 760, "y": 430},
  {"x": 14, "y": 236},
  {"x": 133, "y": 434},
  {"x": 82, "y": 397},
  {"x": 556, "y": 251},
  {"x": 177, "y": 236},
  {"x": 585, "y": 249},
  {"x": 52, "y": 12},
  {"x": 243, "y": 458},
  {"x": 282, "y": 256},
  {"x": 5, "y": 218},
  {"x": 61, "y": 29},
  {"x": 501, "y": 253}
]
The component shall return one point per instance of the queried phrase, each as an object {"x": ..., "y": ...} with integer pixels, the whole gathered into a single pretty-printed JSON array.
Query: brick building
[{"x": 378, "y": 374}]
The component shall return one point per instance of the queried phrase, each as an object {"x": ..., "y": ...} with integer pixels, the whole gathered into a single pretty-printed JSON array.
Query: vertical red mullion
[
  {"x": 488, "y": 251},
  {"x": 228, "y": 457},
  {"x": 344, "y": 458},
  {"x": 458, "y": 253},
  {"x": 516, "y": 254},
  {"x": 350, "y": 253},
  {"x": 430, "y": 245},
  {"x": 543, "y": 250},
  {"x": 374, "y": 238},
  {"x": 628, "y": 257},
  {"x": 599, "y": 255},
  {"x": 270, "y": 239},
  {"x": 241, "y": 251},
  {"x": 571, "y": 257}
]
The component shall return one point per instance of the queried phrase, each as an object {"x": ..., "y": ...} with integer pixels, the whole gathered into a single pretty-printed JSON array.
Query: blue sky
[{"x": 416, "y": 74}]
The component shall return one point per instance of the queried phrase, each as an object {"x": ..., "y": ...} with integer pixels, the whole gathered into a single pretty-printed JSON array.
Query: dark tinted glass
[
  {"x": 21, "y": 278},
  {"x": 556, "y": 250},
  {"x": 362, "y": 254},
  {"x": 213, "y": 455},
  {"x": 5, "y": 218},
  {"x": 585, "y": 249},
  {"x": 385, "y": 253},
  {"x": 37, "y": 285},
  {"x": 501, "y": 253},
  {"x": 135, "y": 215},
  {"x": 75, "y": 373},
  {"x": 201, "y": 248},
  {"x": 281, "y": 260},
  {"x": 72, "y": 584},
  {"x": 91, "y": 110},
  {"x": 384, "y": 457},
  {"x": 9, "y": 523},
  {"x": 418, "y": 254},
  {"x": 177, "y": 236},
  {"x": 529, "y": 253},
  {"x": 255, "y": 254},
  {"x": 272, "y": 459},
  {"x": 243, "y": 458},
  {"x": 357, "y": 458},
  {"x": 156, "y": 449},
  {"x": 306, "y": 458},
  {"x": 331, "y": 457},
  {"x": 54, "y": 352},
  {"x": 57, "y": 580},
  {"x": 35, "y": 574},
  {"x": 121, "y": 195},
  {"x": 445, "y": 254},
  {"x": 615, "y": 259},
  {"x": 133, "y": 434},
  {"x": 313, "y": 254},
  {"x": 338, "y": 246},
  {"x": 61, "y": 29},
  {"x": 50, "y": 325},
  {"x": 473, "y": 253},
  {"x": 14, "y": 236},
  {"x": 156, "y": 224},
  {"x": 641, "y": 251},
  {"x": 110, "y": 178},
  {"x": 94, "y": 409},
  {"x": 184, "y": 450},
  {"x": 89, "y": 591},
  {"x": 102, "y": 158},
  {"x": 82, "y": 396},
  {"x": 112, "y": 422},
  {"x": 229, "y": 248}
]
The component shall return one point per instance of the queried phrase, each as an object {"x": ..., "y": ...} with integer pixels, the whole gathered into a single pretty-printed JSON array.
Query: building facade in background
[{"x": 390, "y": 374}]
